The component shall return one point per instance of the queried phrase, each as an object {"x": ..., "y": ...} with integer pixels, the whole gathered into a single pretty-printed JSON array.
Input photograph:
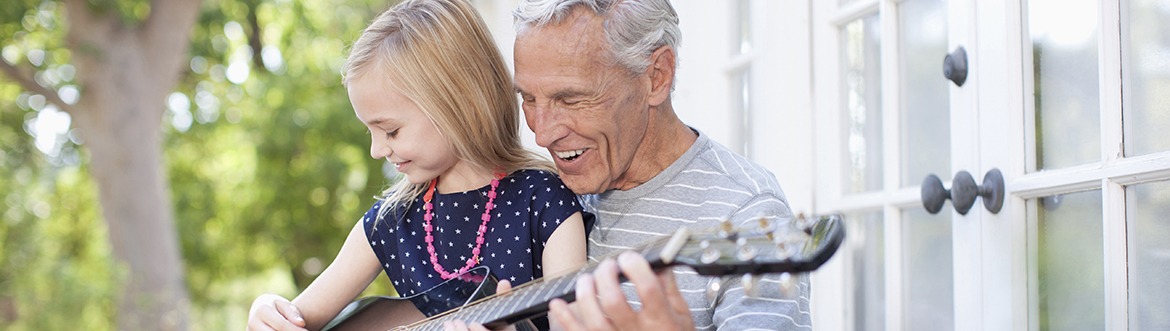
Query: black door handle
[
  {"x": 963, "y": 192},
  {"x": 955, "y": 66}
]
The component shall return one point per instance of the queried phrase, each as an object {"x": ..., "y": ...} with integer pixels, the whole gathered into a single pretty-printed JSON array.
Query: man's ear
[{"x": 661, "y": 73}]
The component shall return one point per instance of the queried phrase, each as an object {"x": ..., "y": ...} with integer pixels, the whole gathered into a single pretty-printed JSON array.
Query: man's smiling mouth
[{"x": 569, "y": 155}]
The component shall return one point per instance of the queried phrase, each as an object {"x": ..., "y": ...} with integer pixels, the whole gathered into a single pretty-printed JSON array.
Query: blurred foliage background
[{"x": 268, "y": 167}]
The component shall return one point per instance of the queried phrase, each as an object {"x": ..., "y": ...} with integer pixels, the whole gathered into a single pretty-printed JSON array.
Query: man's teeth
[{"x": 570, "y": 154}]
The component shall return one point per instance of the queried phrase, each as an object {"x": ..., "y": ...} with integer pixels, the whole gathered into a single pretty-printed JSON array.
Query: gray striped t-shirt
[{"x": 705, "y": 186}]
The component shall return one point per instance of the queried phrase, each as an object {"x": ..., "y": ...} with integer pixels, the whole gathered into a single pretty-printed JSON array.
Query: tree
[
  {"x": 125, "y": 68},
  {"x": 258, "y": 145}
]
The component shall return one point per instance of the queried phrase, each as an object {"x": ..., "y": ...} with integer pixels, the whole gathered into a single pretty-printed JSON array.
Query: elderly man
[{"x": 595, "y": 77}]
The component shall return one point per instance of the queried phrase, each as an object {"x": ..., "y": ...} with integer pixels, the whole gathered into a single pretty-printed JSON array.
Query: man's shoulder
[{"x": 719, "y": 164}]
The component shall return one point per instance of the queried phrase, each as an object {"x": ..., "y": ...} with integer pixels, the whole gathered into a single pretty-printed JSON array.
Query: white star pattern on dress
[{"x": 416, "y": 268}]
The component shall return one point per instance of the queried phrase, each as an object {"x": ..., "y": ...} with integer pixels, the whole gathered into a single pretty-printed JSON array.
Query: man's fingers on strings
[
  {"x": 613, "y": 300},
  {"x": 563, "y": 315},
  {"x": 646, "y": 282},
  {"x": 673, "y": 295},
  {"x": 587, "y": 304}
]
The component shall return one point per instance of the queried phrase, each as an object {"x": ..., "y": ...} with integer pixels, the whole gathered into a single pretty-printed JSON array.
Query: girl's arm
[
  {"x": 565, "y": 249},
  {"x": 351, "y": 272}
]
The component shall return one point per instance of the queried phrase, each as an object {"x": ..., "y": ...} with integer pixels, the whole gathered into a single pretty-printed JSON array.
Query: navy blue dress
[{"x": 530, "y": 205}]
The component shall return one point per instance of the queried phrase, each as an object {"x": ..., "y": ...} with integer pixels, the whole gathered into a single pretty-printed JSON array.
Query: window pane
[
  {"x": 742, "y": 100},
  {"x": 1070, "y": 280},
  {"x": 928, "y": 277},
  {"x": 866, "y": 249},
  {"x": 1149, "y": 256},
  {"x": 925, "y": 94},
  {"x": 743, "y": 17},
  {"x": 1147, "y": 89},
  {"x": 1064, "y": 51},
  {"x": 861, "y": 85}
]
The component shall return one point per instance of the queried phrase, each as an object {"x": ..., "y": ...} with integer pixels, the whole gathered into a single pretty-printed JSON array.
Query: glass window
[
  {"x": 861, "y": 80},
  {"x": 925, "y": 94},
  {"x": 1067, "y": 100},
  {"x": 743, "y": 21},
  {"x": 928, "y": 271},
  {"x": 1146, "y": 62},
  {"x": 742, "y": 98},
  {"x": 1069, "y": 292},
  {"x": 865, "y": 245},
  {"x": 1149, "y": 255}
]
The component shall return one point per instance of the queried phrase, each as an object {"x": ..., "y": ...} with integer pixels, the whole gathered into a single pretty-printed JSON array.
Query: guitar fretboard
[{"x": 526, "y": 300}]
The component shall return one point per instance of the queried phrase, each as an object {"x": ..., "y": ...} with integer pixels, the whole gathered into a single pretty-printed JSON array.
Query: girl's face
[{"x": 399, "y": 131}]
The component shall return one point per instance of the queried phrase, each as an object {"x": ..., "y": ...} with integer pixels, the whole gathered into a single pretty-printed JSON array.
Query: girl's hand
[{"x": 272, "y": 312}]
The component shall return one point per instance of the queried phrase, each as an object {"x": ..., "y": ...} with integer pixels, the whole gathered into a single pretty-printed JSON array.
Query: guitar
[{"x": 725, "y": 250}]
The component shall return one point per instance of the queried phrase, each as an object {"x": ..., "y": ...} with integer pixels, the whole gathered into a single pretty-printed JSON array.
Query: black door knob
[
  {"x": 955, "y": 66},
  {"x": 963, "y": 192},
  {"x": 934, "y": 195}
]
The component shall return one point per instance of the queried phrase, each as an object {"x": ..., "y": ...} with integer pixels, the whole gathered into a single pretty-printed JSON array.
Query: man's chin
[{"x": 582, "y": 185}]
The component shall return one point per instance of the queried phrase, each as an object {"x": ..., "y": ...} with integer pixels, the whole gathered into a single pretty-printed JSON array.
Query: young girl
[{"x": 427, "y": 80}]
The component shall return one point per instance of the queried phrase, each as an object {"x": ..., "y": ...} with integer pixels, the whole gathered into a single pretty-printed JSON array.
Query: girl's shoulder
[
  {"x": 536, "y": 178},
  {"x": 383, "y": 211}
]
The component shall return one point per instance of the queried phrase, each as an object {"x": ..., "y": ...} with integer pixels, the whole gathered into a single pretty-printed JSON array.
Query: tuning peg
[
  {"x": 784, "y": 249},
  {"x": 765, "y": 224},
  {"x": 751, "y": 285},
  {"x": 743, "y": 251},
  {"x": 714, "y": 285},
  {"x": 710, "y": 255},
  {"x": 726, "y": 229},
  {"x": 802, "y": 223},
  {"x": 787, "y": 286}
]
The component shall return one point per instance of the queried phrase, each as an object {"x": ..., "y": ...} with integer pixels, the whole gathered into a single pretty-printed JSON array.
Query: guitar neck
[
  {"x": 800, "y": 246},
  {"x": 528, "y": 300}
]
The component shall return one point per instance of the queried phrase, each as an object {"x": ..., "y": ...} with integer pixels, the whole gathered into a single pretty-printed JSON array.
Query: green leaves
[{"x": 268, "y": 168}]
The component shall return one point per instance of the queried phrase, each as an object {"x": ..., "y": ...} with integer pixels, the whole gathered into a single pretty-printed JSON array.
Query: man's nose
[{"x": 547, "y": 123}]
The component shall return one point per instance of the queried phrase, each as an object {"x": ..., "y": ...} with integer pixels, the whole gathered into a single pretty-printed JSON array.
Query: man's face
[{"x": 589, "y": 112}]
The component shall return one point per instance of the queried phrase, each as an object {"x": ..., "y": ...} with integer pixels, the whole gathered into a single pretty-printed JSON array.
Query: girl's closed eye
[{"x": 392, "y": 133}]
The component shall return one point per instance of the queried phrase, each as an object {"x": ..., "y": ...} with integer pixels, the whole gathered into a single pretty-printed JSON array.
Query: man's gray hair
[{"x": 634, "y": 29}]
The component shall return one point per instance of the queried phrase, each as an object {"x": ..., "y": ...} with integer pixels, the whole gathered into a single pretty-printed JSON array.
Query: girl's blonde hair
[{"x": 445, "y": 61}]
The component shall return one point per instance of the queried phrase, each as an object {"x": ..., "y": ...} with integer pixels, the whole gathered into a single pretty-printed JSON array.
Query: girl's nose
[{"x": 380, "y": 149}]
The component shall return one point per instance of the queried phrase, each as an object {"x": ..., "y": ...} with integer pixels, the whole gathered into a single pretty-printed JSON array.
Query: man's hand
[
  {"x": 601, "y": 304},
  {"x": 272, "y": 312}
]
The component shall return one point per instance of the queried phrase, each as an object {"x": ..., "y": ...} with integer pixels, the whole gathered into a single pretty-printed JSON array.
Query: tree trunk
[{"x": 125, "y": 73}]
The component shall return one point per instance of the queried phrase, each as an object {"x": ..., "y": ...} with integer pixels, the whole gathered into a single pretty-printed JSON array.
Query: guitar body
[
  {"x": 404, "y": 313},
  {"x": 376, "y": 313}
]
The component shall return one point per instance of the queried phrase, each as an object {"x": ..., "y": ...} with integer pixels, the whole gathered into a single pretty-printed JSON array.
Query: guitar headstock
[{"x": 765, "y": 246}]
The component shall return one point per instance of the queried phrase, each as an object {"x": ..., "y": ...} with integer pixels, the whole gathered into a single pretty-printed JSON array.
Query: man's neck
[{"x": 667, "y": 138}]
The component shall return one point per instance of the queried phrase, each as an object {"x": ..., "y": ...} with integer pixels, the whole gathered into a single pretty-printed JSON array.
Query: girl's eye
[{"x": 391, "y": 134}]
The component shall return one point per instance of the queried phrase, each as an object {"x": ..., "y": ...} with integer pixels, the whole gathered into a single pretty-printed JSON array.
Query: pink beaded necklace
[{"x": 487, "y": 215}]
